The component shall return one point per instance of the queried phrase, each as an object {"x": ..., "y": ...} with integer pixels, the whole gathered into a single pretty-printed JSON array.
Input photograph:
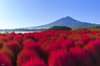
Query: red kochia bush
[
  {"x": 24, "y": 56},
  {"x": 35, "y": 62},
  {"x": 67, "y": 44},
  {"x": 86, "y": 38},
  {"x": 29, "y": 44},
  {"x": 18, "y": 37},
  {"x": 94, "y": 48},
  {"x": 5, "y": 50},
  {"x": 61, "y": 44},
  {"x": 5, "y": 60},
  {"x": 96, "y": 44},
  {"x": 13, "y": 45},
  {"x": 60, "y": 58},
  {"x": 6, "y": 57},
  {"x": 81, "y": 57}
]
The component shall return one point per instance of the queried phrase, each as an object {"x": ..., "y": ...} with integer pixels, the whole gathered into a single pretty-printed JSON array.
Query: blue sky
[{"x": 25, "y": 13}]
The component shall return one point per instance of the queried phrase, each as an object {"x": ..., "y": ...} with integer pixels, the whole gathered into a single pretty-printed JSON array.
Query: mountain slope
[{"x": 68, "y": 22}]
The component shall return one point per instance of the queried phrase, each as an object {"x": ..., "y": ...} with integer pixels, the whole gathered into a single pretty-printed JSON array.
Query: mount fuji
[{"x": 67, "y": 22}]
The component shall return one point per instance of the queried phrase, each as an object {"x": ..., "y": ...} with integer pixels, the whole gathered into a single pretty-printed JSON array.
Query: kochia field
[{"x": 51, "y": 48}]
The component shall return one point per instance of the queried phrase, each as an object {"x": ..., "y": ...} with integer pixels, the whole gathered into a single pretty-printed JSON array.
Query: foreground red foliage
[{"x": 51, "y": 48}]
